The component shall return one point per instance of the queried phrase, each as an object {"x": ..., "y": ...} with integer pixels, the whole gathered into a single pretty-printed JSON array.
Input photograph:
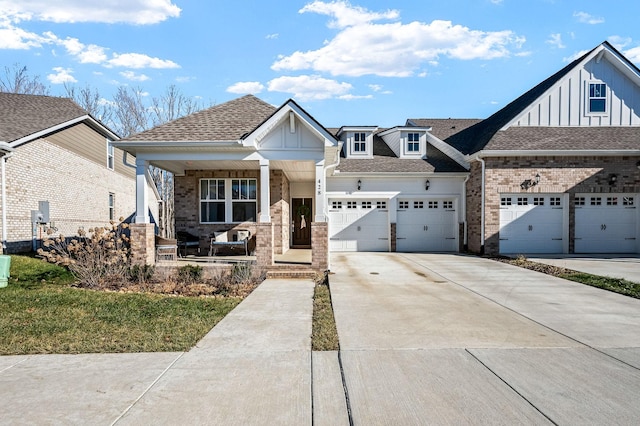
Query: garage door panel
[
  {"x": 430, "y": 228},
  {"x": 357, "y": 225},
  {"x": 606, "y": 223},
  {"x": 531, "y": 223}
]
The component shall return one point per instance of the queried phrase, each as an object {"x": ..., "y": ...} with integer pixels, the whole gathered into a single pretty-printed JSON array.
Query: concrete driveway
[{"x": 440, "y": 338}]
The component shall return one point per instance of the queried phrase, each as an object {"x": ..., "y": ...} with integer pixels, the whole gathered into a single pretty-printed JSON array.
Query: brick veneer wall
[
  {"x": 394, "y": 236},
  {"x": 77, "y": 190},
  {"x": 280, "y": 210},
  {"x": 320, "y": 246},
  {"x": 557, "y": 175},
  {"x": 474, "y": 207},
  {"x": 264, "y": 244},
  {"x": 142, "y": 244}
]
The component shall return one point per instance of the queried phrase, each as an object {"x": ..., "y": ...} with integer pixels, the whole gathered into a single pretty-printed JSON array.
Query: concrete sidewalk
[
  {"x": 254, "y": 367},
  {"x": 625, "y": 266}
]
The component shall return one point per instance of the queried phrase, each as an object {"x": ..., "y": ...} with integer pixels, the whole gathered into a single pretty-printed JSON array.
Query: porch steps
[{"x": 291, "y": 271}]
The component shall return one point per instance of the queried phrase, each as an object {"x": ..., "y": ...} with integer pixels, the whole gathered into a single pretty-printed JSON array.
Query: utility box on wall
[{"x": 42, "y": 214}]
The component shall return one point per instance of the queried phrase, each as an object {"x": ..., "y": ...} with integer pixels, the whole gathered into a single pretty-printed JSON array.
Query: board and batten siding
[
  {"x": 565, "y": 104},
  {"x": 85, "y": 142}
]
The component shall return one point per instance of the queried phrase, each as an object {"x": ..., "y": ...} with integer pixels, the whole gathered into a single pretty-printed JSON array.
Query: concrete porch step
[{"x": 299, "y": 273}]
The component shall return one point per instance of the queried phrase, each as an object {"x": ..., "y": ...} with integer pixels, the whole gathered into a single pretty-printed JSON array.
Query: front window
[
  {"x": 212, "y": 200},
  {"x": 112, "y": 206},
  {"x": 597, "y": 97},
  {"x": 360, "y": 142},
  {"x": 244, "y": 199},
  {"x": 413, "y": 142}
]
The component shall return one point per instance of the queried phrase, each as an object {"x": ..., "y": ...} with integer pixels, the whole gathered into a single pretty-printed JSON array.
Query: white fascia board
[
  {"x": 136, "y": 147},
  {"x": 552, "y": 153},
  {"x": 405, "y": 129},
  {"x": 338, "y": 174},
  {"x": 362, "y": 194},
  {"x": 152, "y": 184},
  {"x": 280, "y": 116},
  {"x": 42, "y": 133},
  {"x": 448, "y": 150},
  {"x": 357, "y": 129}
]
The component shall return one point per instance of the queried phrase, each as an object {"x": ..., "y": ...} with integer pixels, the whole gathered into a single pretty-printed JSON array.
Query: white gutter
[
  {"x": 465, "y": 235},
  {"x": 8, "y": 152},
  {"x": 482, "y": 196}
]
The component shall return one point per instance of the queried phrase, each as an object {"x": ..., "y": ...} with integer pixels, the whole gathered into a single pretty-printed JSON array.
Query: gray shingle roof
[
  {"x": 24, "y": 115},
  {"x": 566, "y": 138},
  {"x": 442, "y": 128},
  {"x": 385, "y": 161},
  {"x": 225, "y": 122}
]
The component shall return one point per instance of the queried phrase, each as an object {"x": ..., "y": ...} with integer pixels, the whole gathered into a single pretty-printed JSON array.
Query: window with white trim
[
  {"x": 413, "y": 142},
  {"x": 352, "y": 204},
  {"x": 359, "y": 142},
  {"x": 418, "y": 204},
  {"x": 244, "y": 200},
  {"x": 110, "y": 155},
  {"x": 336, "y": 204},
  {"x": 447, "y": 205},
  {"x": 627, "y": 201},
  {"x": 212, "y": 201},
  {"x": 112, "y": 206},
  {"x": 597, "y": 98},
  {"x": 596, "y": 201},
  {"x": 523, "y": 201},
  {"x": 381, "y": 204},
  {"x": 403, "y": 204}
]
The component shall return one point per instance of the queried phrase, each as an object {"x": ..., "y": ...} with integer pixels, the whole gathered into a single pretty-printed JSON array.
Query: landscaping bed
[{"x": 617, "y": 285}]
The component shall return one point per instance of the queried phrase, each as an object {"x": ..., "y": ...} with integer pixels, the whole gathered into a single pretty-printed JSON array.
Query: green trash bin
[{"x": 5, "y": 265}]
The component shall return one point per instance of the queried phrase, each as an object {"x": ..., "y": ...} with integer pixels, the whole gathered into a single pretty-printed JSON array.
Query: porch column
[
  {"x": 142, "y": 206},
  {"x": 265, "y": 188},
  {"x": 319, "y": 191}
]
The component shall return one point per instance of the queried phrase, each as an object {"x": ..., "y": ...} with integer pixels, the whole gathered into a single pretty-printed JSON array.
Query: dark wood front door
[{"x": 301, "y": 211}]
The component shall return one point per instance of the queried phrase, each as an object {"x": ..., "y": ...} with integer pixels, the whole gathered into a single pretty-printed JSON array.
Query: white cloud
[
  {"x": 184, "y": 79},
  {"x": 633, "y": 55},
  {"x": 575, "y": 56},
  {"x": 61, "y": 76},
  {"x": 345, "y": 15},
  {"x": 496, "y": 1},
  {"x": 620, "y": 42},
  {"x": 139, "y": 60},
  {"x": 375, "y": 87},
  {"x": 309, "y": 87},
  {"x": 130, "y": 75},
  {"x": 350, "y": 97},
  {"x": 15, "y": 38},
  {"x": 272, "y": 36},
  {"x": 246, "y": 87},
  {"x": 585, "y": 18},
  {"x": 556, "y": 41},
  {"x": 394, "y": 49},
  {"x": 139, "y": 12}
]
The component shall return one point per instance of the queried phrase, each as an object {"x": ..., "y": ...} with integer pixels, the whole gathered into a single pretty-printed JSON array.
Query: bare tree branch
[
  {"x": 90, "y": 99},
  {"x": 16, "y": 79}
]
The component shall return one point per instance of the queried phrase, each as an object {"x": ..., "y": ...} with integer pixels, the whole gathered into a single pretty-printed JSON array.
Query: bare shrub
[{"x": 97, "y": 258}]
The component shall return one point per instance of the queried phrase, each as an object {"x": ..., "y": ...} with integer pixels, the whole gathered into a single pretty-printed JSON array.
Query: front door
[{"x": 301, "y": 211}]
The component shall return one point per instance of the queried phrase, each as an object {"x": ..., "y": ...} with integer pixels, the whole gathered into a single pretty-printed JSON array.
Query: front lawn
[{"x": 42, "y": 313}]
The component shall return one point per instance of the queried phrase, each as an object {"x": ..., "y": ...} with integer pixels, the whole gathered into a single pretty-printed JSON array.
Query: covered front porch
[{"x": 268, "y": 187}]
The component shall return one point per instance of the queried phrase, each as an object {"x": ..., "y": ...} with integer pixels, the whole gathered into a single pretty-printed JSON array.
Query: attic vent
[{"x": 453, "y": 127}]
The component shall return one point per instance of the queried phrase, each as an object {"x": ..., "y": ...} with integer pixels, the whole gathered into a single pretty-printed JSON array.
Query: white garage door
[
  {"x": 606, "y": 223},
  {"x": 358, "y": 225},
  {"x": 531, "y": 223},
  {"x": 426, "y": 225}
]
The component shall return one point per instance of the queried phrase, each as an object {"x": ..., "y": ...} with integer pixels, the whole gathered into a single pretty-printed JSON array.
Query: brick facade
[
  {"x": 142, "y": 244},
  {"x": 280, "y": 210},
  {"x": 77, "y": 190},
  {"x": 320, "y": 246},
  {"x": 264, "y": 244},
  {"x": 394, "y": 237},
  {"x": 557, "y": 175}
]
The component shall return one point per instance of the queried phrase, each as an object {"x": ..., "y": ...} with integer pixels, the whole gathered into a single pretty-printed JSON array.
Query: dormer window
[
  {"x": 360, "y": 142},
  {"x": 413, "y": 142},
  {"x": 597, "y": 98}
]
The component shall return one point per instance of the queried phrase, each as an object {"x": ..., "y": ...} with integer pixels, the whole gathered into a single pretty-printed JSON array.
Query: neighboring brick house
[
  {"x": 555, "y": 171},
  {"x": 58, "y": 153}
]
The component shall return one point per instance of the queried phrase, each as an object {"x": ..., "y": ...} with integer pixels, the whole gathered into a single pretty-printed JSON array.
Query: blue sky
[{"x": 363, "y": 62}]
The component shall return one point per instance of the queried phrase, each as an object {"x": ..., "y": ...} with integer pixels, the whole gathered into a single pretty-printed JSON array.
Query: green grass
[
  {"x": 324, "y": 336},
  {"x": 41, "y": 313},
  {"x": 617, "y": 285}
]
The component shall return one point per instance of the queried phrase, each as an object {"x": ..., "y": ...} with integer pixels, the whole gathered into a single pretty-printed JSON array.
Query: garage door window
[
  {"x": 447, "y": 205},
  {"x": 336, "y": 204},
  {"x": 523, "y": 201},
  {"x": 596, "y": 201},
  {"x": 627, "y": 201},
  {"x": 580, "y": 201},
  {"x": 538, "y": 201},
  {"x": 403, "y": 205},
  {"x": 352, "y": 204},
  {"x": 366, "y": 204},
  {"x": 418, "y": 205},
  {"x": 555, "y": 201},
  {"x": 381, "y": 204},
  {"x": 433, "y": 204},
  {"x": 612, "y": 201},
  {"x": 505, "y": 201}
]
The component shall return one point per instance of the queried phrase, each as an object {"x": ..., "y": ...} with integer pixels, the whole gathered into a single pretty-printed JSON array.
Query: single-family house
[
  {"x": 59, "y": 171},
  {"x": 555, "y": 171}
]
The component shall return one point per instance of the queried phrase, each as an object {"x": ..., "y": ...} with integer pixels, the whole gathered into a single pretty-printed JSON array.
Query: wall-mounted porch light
[
  {"x": 359, "y": 184},
  {"x": 427, "y": 184},
  {"x": 613, "y": 178},
  {"x": 529, "y": 183}
]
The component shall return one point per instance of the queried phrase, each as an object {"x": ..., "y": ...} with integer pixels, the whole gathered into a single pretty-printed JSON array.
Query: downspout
[
  {"x": 465, "y": 235},
  {"x": 482, "y": 196},
  {"x": 326, "y": 172},
  {"x": 4, "y": 202}
]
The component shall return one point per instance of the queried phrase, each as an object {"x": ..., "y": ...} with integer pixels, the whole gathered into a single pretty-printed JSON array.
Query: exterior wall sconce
[
  {"x": 530, "y": 183},
  {"x": 359, "y": 184},
  {"x": 427, "y": 184},
  {"x": 613, "y": 178},
  {"x": 638, "y": 165}
]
